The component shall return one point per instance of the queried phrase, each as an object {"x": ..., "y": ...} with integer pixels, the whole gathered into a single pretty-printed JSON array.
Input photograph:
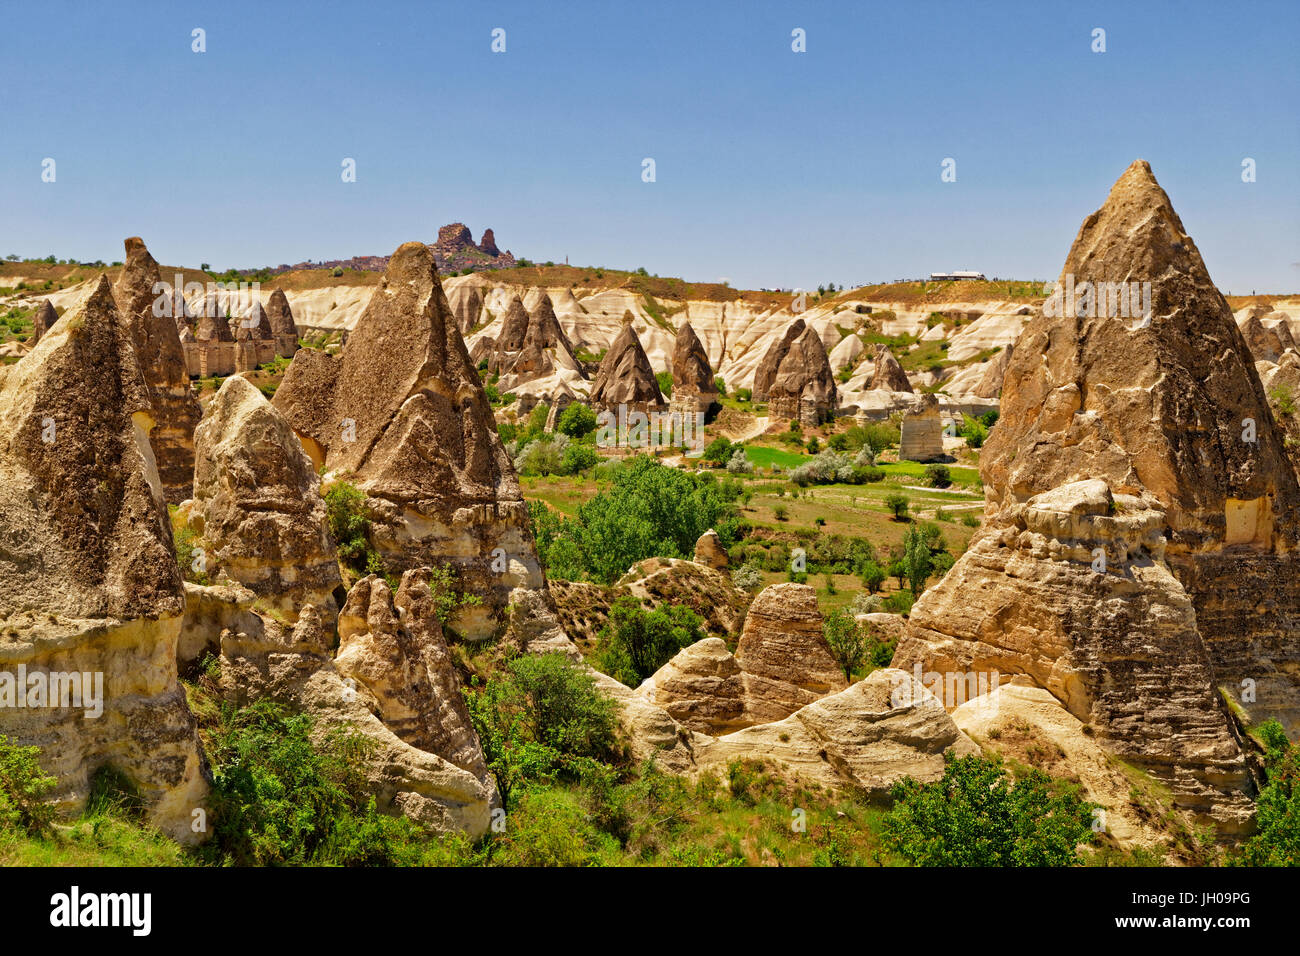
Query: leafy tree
[
  {"x": 847, "y": 640},
  {"x": 978, "y": 816},
  {"x": 719, "y": 451},
  {"x": 873, "y": 576},
  {"x": 636, "y": 642},
  {"x": 938, "y": 476},
  {"x": 897, "y": 502},
  {"x": 720, "y": 385},
  {"x": 577, "y": 420},
  {"x": 917, "y": 560},
  {"x": 345, "y": 507},
  {"x": 665, "y": 380}
]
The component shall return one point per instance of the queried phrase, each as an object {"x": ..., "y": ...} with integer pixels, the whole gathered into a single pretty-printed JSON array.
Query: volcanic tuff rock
[
  {"x": 467, "y": 305},
  {"x": 786, "y": 659},
  {"x": 489, "y": 244},
  {"x": 45, "y": 318},
  {"x": 265, "y": 658},
  {"x": 283, "y": 328},
  {"x": 887, "y": 373},
  {"x": 804, "y": 385},
  {"x": 1266, "y": 344},
  {"x": 693, "y": 388},
  {"x": 158, "y": 350},
  {"x": 990, "y": 384},
  {"x": 701, "y": 688},
  {"x": 514, "y": 328},
  {"x": 626, "y": 378},
  {"x": 257, "y": 503},
  {"x": 88, "y": 576},
  {"x": 402, "y": 413},
  {"x": 395, "y": 650},
  {"x": 767, "y": 369},
  {"x": 710, "y": 552},
  {"x": 922, "y": 431},
  {"x": 1123, "y": 440}
]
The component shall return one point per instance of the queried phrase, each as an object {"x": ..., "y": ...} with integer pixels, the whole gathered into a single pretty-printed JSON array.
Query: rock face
[
  {"x": 514, "y": 329},
  {"x": 710, "y": 552},
  {"x": 396, "y": 652},
  {"x": 1122, "y": 439},
  {"x": 255, "y": 343},
  {"x": 88, "y": 576},
  {"x": 257, "y": 503},
  {"x": 990, "y": 384},
  {"x": 702, "y": 688},
  {"x": 887, "y": 373},
  {"x": 863, "y": 739},
  {"x": 44, "y": 319},
  {"x": 401, "y": 412},
  {"x": 489, "y": 244},
  {"x": 693, "y": 388},
  {"x": 804, "y": 385},
  {"x": 786, "y": 659},
  {"x": 1266, "y": 344},
  {"x": 454, "y": 250},
  {"x": 626, "y": 378},
  {"x": 283, "y": 329},
  {"x": 265, "y": 658},
  {"x": 158, "y": 350},
  {"x": 765, "y": 375},
  {"x": 467, "y": 306},
  {"x": 922, "y": 431}
]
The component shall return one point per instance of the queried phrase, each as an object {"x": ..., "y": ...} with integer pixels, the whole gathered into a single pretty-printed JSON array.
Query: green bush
[
  {"x": 577, "y": 420},
  {"x": 848, "y": 641},
  {"x": 898, "y": 503},
  {"x": 543, "y": 718},
  {"x": 938, "y": 476},
  {"x": 1277, "y": 840},
  {"x": 281, "y": 796},
  {"x": 978, "y": 816},
  {"x": 873, "y": 576},
  {"x": 23, "y": 789},
  {"x": 345, "y": 506},
  {"x": 636, "y": 642}
]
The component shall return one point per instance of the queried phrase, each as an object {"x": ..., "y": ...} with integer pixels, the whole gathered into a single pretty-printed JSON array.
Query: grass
[{"x": 763, "y": 456}]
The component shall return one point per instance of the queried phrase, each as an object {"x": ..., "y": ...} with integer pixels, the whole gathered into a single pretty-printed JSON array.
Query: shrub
[
  {"x": 578, "y": 457},
  {"x": 720, "y": 385},
  {"x": 865, "y": 457},
  {"x": 781, "y": 512},
  {"x": 917, "y": 559},
  {"x": 974, "y": 430},
  {"x": 744, "y": 394},
  {"x": 720, "y": 451},
  {"x": 636, "y": 642},
  {"x": 543, "y": 456},
  {"x": 1277, "y": 840},
  {"x": 345, "y": 506},
  {"x": 873, "y": 576},
  {"x": 978, "y": 816},
  {"x": 747, "y": 577},
  {"x": 23, "y": 789},
  {"x": 970, "y": 520},
  {"x": 665, "y": 380},
  {"x": 739, "y": 463},
  {"x": 865, "y": 603},
  {"x": 900, "y": 602},
  {"x": 282, "y": 796},
  {"x": 937, "y": 476},
  {"x": 898, "y": 503},
  {"x": 542, "y": 718}
]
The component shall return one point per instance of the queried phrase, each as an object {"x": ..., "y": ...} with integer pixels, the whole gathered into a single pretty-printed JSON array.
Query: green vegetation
[
  {"x": 345, "y": 506},
  {"x": 978, "y": 815},
  {"x": 636, "y": 642},
  {"x": 1277, "y": 841}
]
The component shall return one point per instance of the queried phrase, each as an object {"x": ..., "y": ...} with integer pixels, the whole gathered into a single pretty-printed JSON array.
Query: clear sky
[{"x": 773, "y": 168}]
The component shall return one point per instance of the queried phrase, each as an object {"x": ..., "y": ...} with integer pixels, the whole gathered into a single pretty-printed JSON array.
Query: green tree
[
  {"x": 846, "y": 639},
  {"x": 636, "y": 642},
  {"x": 897, "y": 502},
  {"x": 24, "y": 788},
  {"x": 719, "y": 451},
  {"x": 978, "y": 816},
  {"x": 917, "y": 559},
  {"x": 345, "y": 507},
  {"x": 577, "y": 420}
]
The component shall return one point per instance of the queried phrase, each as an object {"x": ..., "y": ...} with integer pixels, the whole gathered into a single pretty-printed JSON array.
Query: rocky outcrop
[
  {"x": 693, "y": 387},
  {"x": 765, "y": 374},
  {"x": 990, "y": 384},
  {"x": 804, "y": 385},
  {"x": 514, "y": 330},
  {"x": 922, "y": 431},
  {"x": 626, "y": 378},
  {"x": 255, "y": 344},
  {"x": 887, "y": 374},
  {"x": 467, "y": 307},
  {"x": 257, "y": 504},
  {"x": 43, "y": 321},
  {"x": 489, "y": 244},
  {"x": 402, "y": 414},
  {"x": 1138, "y": 559},
  {"x": 175, "y": 410},
  {"x": 862, "y": 740},
  {"x": 710, "y": 552},
  {"x": 265, "y": 658},
  {"x": 89, "y": 583},
  {"x": 1266, "y": 344},
  {"x": 283, "y": 328},
  {"x": 702, "y": 688},
  {"x": 785, "y": 657},
  {"x": 395, "y": 650}
]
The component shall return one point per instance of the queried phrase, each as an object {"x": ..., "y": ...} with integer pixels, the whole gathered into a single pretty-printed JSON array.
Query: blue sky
[{"x": 773, "y": 168}]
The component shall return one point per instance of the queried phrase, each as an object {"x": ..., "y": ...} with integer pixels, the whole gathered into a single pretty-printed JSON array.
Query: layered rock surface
[
  {"x": 803, "y": 387},
  {"x": 1139, "y": 555},
  {"x": 693, "y": 387},
  {"x": 158, "y": 350},
  {"x": 402, "y": 414},
  {"x": 88, "y": 576},
  {"x": 257, "y": 503},
  {"x": 626, "y": 378}
]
